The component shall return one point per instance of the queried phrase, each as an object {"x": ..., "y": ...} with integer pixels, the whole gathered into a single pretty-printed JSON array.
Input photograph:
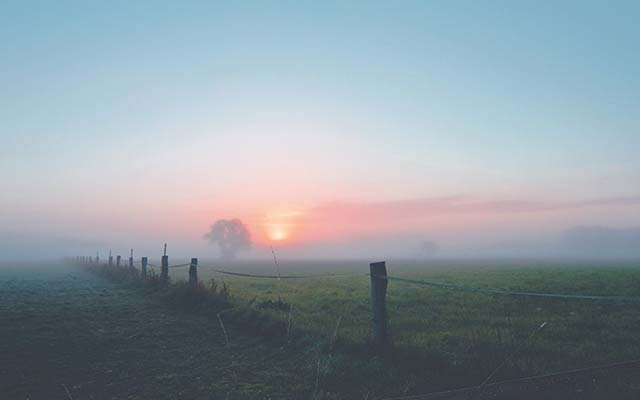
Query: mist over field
[{"x": 587, "y": 243}]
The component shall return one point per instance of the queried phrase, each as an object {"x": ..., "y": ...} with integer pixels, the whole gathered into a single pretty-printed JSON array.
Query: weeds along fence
[{"x": 380, "y": 337}]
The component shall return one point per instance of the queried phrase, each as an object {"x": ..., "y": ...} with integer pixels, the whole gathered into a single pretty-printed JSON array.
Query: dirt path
[{"x": 66, "y": 334}]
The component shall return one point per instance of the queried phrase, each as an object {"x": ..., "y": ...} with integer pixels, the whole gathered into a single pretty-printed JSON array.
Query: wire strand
[
  {"x": 276, "y": 277},
  {"x": 509, "y": 292}
]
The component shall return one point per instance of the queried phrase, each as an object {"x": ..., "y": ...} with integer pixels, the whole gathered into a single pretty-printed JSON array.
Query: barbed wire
[
  {"x": 179, "y": 265},
  {"x": 452, "y": 286},
  {"x": 441, "y": 285},
  {"x": 276, "y": 277}
]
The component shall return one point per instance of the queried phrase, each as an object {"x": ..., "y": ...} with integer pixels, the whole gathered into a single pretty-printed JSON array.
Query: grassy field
[
  {"x": 447, "y": 338},
  {"x": 61, "y": 326}
]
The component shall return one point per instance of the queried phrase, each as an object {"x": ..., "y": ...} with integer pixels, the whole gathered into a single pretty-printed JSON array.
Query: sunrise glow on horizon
[{"x": 329, "y": 129}]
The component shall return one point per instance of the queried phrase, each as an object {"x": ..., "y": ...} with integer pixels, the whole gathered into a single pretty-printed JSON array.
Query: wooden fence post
[
  {"x": 110, "y": 259},
  {"x": 379, "y": 328},
  {"x": 143, "y": 266},
  {"x": 164, "y": 269},
  {"x": 164, "y": 266},
  {"x": 131, "y": 261},
  {"x": 118, "y": 261},
  {"x": 193, "y": 272}
]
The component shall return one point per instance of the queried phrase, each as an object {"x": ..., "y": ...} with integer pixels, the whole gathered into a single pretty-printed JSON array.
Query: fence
[{"x": 579, "y": 381}]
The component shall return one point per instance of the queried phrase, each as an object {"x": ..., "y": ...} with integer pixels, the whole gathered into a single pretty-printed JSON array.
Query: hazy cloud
[{"x": 461, "y": 205}]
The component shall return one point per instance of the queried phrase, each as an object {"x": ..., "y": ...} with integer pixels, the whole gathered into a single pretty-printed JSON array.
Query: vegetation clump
[{"x": 209, "y": 297}]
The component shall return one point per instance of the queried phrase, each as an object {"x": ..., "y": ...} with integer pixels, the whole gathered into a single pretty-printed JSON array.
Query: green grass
[
  {"x": 281, "y": 333},
  {"x": 461, "y": 336}
]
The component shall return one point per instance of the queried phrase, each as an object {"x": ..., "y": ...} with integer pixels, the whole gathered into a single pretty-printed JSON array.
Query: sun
[
  {"x": 278, "y": 232},
  {"x": 281, "y": 225}
]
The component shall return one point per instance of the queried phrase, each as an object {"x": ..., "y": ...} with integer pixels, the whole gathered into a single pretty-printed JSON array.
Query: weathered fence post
[
  {"x": 118, "y": 261},
  {"x": 143, "y": 267},
  {"x": 97, "y": 258},
  {"x": 193, "y": 272},
  {"x": 379, "y": 329},
  {"x": 131, "y": 260},
  {"x": 164, "y": 268},
  {"x": 110, "y": 259}
]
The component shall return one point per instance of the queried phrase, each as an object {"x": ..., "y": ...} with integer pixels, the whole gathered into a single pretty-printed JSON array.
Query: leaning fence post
[
  {"x": 118, "y": 261},
  {"x": 379, "y": 331},
  {"x": 164, "y": 270},
  {"x": 143, "y": 267},
  {"x": 193, "y": 272}
]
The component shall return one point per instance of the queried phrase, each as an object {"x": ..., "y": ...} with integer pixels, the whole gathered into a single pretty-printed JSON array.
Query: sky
[{"x": 334, "y": 129}]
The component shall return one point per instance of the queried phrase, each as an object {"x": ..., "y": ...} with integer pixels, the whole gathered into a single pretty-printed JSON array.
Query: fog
[{"x": 578, "y": 242}]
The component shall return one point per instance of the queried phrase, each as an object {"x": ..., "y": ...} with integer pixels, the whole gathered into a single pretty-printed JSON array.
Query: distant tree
[
  {"x": 429, "y": 248},
  {"x": 230, "y": 235}
]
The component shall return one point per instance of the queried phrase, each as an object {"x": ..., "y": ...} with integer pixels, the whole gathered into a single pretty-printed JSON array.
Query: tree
[
  {"x": 231, "y": 236},
  {"x": 429, "y": 248}
]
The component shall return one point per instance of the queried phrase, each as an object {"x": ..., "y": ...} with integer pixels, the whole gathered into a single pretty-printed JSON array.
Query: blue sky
[{"x": 242, "y": 108}]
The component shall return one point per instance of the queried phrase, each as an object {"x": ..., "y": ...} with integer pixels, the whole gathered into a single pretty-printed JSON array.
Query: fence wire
[
  {"x": 278, "y": 277},
  {"x": 452, "y": 286},
  {"x": 422, "y": 282},
  {"x": 179, "y": 265}
]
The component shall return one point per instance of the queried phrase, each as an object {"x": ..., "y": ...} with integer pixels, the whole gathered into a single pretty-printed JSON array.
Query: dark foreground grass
[{"x": 67, "y": 330}]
